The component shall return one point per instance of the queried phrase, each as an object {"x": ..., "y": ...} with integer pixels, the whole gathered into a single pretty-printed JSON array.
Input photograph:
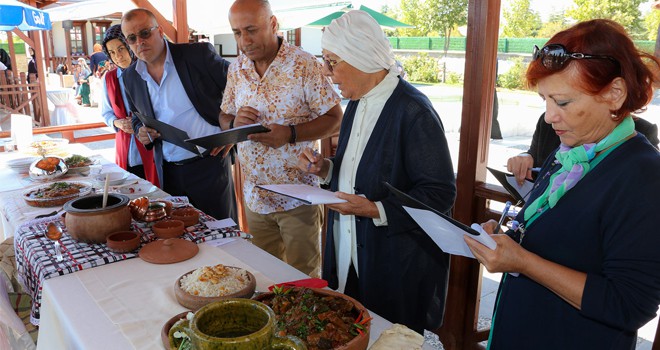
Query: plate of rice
[{"x": 207, "y": 284}]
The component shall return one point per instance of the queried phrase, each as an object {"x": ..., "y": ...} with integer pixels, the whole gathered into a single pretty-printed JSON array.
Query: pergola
[{"x": 460, "y": 324}]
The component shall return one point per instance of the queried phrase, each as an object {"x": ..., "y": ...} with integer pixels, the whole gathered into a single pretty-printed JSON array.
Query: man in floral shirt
[{"x": 282, "y": 87}]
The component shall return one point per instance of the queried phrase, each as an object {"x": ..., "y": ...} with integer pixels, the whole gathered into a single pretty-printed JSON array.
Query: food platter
[
  {"x": 79, "y": 164},
  {"x": 137, "y": 190},
  {"x": 243, "y": 289},
  {"x": 56, "y": 193},
  {"x": 47, "y": 147}
]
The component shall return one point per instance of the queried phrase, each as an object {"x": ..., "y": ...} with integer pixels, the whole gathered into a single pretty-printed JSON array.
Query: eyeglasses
[
  {"x": 143, "y": 34},
  {"x": 555, "y": 56},
  {"x": 330, "y": 63}
]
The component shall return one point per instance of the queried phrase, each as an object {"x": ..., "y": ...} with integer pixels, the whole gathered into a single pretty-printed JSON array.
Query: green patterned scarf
[{"x": 575, "y": 164}]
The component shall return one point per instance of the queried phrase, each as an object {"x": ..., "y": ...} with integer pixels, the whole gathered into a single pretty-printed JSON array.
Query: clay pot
[
  {"x": 86, "y": 221},
  {"x": 123, "y": 241},
  {"x": 189, "y": 216},
  {"x": 240, "y": 324},
  {"x": 168, "y": 228},
  {"x": 195, "y": 302}
]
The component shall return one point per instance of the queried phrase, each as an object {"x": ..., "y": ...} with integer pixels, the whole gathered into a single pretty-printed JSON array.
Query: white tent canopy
[{"x": 207, "y": 17}]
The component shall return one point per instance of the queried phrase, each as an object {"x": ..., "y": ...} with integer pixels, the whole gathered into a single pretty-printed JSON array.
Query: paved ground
[{"x": 518, "y": 114}]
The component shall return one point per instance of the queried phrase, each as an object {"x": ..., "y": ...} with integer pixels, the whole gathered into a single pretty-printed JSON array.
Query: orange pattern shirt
[{"x": 293, "y": 90}]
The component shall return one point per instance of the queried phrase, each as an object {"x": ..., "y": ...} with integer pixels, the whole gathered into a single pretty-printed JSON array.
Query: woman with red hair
[{"x": 586, "y": 243}]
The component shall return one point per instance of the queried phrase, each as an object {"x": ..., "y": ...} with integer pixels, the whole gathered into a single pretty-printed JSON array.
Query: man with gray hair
[{"x": 374, "y": 250}]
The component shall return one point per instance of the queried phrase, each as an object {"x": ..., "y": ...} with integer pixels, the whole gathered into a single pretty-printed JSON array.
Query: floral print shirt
[{"x": 292, "y": 91}]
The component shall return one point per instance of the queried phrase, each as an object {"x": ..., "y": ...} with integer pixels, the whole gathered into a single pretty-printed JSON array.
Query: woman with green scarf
[{"x": 586, "y": 245}]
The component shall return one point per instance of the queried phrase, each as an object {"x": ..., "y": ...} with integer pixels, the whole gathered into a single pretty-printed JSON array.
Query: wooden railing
[
  {"x": 68, "y": 132},
  {"x": 17, "y": 96}
]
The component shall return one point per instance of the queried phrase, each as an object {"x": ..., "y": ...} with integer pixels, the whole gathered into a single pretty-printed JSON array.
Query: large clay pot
[{"x": 86, "y": 221}]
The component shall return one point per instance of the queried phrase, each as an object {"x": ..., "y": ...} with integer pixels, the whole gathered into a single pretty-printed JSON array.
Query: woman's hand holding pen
[
  {"x": 147, "y": 135},
  {"x": 508, "y": 256},
  {"x": 312, "y": 162},
  {"x": 356, "y": 205},
  {"x": 521, "y": 167}
]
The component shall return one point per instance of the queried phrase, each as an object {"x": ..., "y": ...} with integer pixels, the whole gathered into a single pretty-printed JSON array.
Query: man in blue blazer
[{"x": 181, "y": 85}]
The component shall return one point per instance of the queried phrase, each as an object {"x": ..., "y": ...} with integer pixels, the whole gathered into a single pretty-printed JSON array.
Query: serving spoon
[{"x": 54, "y": 233}]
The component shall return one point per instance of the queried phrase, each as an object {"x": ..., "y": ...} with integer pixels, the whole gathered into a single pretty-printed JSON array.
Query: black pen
[{"x": 507, "y": 205}]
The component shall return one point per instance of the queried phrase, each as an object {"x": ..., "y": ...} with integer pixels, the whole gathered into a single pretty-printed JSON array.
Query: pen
[
  {"x": 505, "y": 211},
  {"x": 315, "y": 154}
]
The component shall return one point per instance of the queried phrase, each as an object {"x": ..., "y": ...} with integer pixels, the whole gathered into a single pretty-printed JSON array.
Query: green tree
[
  {"x": 651, "y": 22},
  {"x": 433, "y": 17},
  {"x": 625, "y": 13},
  {"x": 410, "y": 13},
  {"x": 521, "y": 20},
  {"x": 556, "y": 23}
]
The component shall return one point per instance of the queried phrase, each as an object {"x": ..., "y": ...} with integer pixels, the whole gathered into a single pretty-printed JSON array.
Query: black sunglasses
[
  {"x": 555, "y": 56},
  {"x": 143, "y": 34}
]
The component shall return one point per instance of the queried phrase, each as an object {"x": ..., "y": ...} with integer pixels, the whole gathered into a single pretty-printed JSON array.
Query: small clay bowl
[
  {"x": 123, "y": 241},
  {"x": 168, "y": 228},
  {"x": 189, "y": 216},
  {"x": 194, "y": 302}
]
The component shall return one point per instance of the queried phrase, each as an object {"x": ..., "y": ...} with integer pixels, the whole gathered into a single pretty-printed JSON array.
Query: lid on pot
[{"x": 168, "y": 251}]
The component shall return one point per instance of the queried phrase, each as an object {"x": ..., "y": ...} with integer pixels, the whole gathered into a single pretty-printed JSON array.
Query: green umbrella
[{"x": 383, "y": 20}]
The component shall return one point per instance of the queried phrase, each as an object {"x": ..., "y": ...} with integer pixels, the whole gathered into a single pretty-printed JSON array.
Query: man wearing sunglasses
[
  {"x": 181, "y": 85},
  {"x": 282, "y": 87}
]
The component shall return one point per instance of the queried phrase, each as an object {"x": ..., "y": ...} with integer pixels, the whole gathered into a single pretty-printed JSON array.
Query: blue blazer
[{"x": 402, "y": 273}]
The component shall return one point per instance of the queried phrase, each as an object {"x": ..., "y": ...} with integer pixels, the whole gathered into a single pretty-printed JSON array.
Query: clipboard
[
  {"x": 169, "y": 133},
  {"x": 408, "y": 201},
  {"x": 503, "y": 178},
  {"x": 307, "y": 194},
  {"x": 228, "y": 137}
]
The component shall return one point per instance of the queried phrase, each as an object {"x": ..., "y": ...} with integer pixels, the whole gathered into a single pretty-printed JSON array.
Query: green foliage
[
  {"x": 651, "y": 22},
  {"x": 625, "y": 13},
  {"x": 421, "y": 68},
  {"x": 431, "y": 17},
  {"x": 454, "y": 78},
  {"x": 514, "y": 78},
  {"x": 556, "y": 23},
  {"x": 521, "y": 20}
]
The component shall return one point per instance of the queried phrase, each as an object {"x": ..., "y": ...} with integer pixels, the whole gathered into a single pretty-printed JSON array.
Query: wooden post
[
  {"x": 42, "y": 105},
  {"x": 180, "y": 20},
  {"x": 12, "y": 51},
  {"x": 459, "y": 329}
]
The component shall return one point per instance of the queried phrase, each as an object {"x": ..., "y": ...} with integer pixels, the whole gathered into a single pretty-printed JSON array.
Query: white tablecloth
[
  {"x": 65, "y": 111},
  {"x": 124, "y": 305}
]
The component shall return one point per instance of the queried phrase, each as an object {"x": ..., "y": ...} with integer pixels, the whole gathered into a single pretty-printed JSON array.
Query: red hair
[{"x": 639, "y": 70}]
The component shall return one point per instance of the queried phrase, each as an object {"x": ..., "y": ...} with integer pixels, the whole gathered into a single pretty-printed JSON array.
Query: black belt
[{"x": 189, "y": 160}]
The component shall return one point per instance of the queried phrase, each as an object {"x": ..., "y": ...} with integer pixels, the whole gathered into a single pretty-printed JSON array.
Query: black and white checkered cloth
[{"x": 36, "y": 258}]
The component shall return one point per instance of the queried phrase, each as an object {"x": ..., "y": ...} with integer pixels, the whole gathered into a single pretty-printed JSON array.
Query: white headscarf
[{"x": 357, "y": 38}]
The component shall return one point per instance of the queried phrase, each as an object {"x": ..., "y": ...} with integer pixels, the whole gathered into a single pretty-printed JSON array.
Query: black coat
[{"x": 402, "y": 273}]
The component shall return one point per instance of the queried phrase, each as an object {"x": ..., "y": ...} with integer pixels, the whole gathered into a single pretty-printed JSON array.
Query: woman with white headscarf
[{"x": 390, "y": 133}]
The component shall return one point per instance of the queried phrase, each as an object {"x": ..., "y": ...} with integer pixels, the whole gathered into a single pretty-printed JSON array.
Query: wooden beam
[
  {"x": 459, "y": 329},
  {"x": 23, "y": 36},
  {"x": 36, "y": 37},
  {"x": 180, "y": 11},
  {"x": 169, "y": 30},
  {"x": 12, "y": 51}
]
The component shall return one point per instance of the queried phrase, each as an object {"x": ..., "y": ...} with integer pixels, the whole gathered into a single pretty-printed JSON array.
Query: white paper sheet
[
  {"x": 524, "y": 190},
  {"x": 220, "y": 224},
  {"x": 306, "y": 193}
]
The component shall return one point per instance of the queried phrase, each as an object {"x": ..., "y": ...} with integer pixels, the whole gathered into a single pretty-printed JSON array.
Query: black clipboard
[
  {"x": 502, "y": 179},
  {"x": 228, "y": 137},
  {"x": 169, "y": 133},
  {"x": 414, "y": 203}
]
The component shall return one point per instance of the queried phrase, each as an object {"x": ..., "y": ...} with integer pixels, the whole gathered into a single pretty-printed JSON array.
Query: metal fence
[{"x": 504, "y": 45}]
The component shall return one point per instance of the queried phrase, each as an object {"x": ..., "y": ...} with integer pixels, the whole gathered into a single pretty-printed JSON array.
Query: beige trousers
[{"x": 293, "y": 236}]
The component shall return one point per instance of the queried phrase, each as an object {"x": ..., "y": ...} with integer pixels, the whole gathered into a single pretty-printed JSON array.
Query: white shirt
[
  {"x": 172, "y": 106},
  {"x": 367, "y": 114},
  {"x": 108, "y": 114}
]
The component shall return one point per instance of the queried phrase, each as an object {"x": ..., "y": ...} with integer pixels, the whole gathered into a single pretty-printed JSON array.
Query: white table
[
  {"x": 124, "y": 305},
  {"x": 65, "y": 111}
]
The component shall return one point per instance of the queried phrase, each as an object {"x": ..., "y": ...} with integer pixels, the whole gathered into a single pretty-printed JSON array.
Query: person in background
[
  {"x": 374, "y": 251},
  {"x": 586, "y": 242},
  {"x": 62, "y": 69},
  {"x": 545, "y": 142},
  {"x": 130, "y": 153},
  {"x": 5, "y": 58},
  {"x": 281, "y": 86},
  {"x": 97, "y": 57},
  {"x": 83, "y": 83},
  {"x": 181, "y": 85},
  {"x": 32, "y": 66}
]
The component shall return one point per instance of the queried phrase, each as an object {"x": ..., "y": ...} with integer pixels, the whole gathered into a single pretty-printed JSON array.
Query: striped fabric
[{"x": 35, "y": 253}]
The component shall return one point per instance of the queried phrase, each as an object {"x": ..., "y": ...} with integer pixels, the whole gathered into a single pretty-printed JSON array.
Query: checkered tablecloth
[{"x": 36, "y": 258}]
